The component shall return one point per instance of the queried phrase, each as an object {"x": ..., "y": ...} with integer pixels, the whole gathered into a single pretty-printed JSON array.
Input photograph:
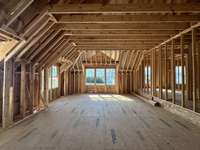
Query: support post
[
  {"x": 59, "y": 83},
  {"x": 166, "y": 74},
  {"x": 8, "y": 99},
  {"x": 147, "y": 75},
  {"x": 194, "y": 67},
  {"x": 23, "y": 90},
  {"x": 46, "y": 85},
  {"x": 153, "y": 72},
  {"x": 31, "y": 99},
  {"x": 66, "y": 83},
  {"x": 160, "y": 73}
]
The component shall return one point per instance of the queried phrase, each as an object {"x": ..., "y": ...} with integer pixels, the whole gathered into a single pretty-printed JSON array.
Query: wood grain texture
[{"x": 109, "y": 122}]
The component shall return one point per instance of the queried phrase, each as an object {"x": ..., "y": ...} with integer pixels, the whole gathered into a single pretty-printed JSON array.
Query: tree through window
[
  {"x": 100, "y": 76},
  {"x": 90, "y": 77}
]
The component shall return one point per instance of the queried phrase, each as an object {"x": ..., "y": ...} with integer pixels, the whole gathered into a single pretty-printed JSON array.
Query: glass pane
[
  {"x": 90, "y": 76},
  {"x": 42, "y": 82},
  {"x": 145, "y": 75},
  {"x": 149, "y": 75},
  {"x": 49, "y": 84},
  {"x": 54, "y": 74},
  {"x": 179, "y": 79},
  {"x": 178, "y": 75},
  {"x": 100, "y": 76},
  {"x": 54, "y": 71},
  {"x": 110, "y": 76},
  {"x": 55, "y": 82}
]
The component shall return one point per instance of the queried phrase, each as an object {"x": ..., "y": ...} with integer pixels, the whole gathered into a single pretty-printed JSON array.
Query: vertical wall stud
[
  {"x": 23, "y": 90},
  {"x": 173, "y": 83},
  {"x": 160, "y": 73},
  {"x": 182, "y": 73},
  {"x": 194, "y": 67},
  {"x": 166, "y": 74},
  {"x": 8, "y": 99}
]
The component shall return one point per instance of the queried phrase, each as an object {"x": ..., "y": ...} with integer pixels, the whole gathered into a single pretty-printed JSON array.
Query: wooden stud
[
  {"x": 8, "y": 99},
  {"x": 194, "y": 67},
  {"x": 160, "y": 73},
  {"x": 31, "y": 85},
  {"x": 182, "y": 73},
  {"x": 153, "y": 72},
  {"x": 46, "y": 85},
  {"x": 23, "y": 90},
  {"x": 173, "y": 80},
  {"x": 166, "y": 74},
  {"x": 66, "y": 83}
]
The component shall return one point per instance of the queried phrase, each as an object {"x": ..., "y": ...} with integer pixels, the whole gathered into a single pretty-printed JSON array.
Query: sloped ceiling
[{"x": 7, "y": 43}]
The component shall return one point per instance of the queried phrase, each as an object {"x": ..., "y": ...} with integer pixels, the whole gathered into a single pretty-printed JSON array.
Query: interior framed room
[{"x": 99, "y": 74}]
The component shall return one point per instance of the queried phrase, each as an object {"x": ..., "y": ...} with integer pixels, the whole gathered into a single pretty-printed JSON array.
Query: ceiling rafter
[{"x": 125, "y": 8}]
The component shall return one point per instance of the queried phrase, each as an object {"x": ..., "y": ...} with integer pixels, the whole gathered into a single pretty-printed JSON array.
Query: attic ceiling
[{"x": 66, "y": 32}]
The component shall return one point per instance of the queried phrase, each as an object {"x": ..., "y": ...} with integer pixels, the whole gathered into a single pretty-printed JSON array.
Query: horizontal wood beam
[
  {"x": 121, "y": 32},
  {"x": 176, "y": 45},
  {"x": 116, "y": 42},
  {"x": 119, "y": 37},
  {"x": 128, "y": 18},
  {"x": 113, "y": 47},
  {"x": 122, "y": 26},
  {"x": 125, "y": 8}
]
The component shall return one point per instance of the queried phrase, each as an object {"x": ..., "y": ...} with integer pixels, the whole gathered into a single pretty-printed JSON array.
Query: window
[
  {"x": 179, "y": 75},
  {"x": 110, "y": 76},
  {"x": 53, "y": 77},
  {"x": 49, "y": 78},
  {"x": 90, "y": 77},
  {"x": 100, "y": 76},
  {"x": 147, "y": 74}
]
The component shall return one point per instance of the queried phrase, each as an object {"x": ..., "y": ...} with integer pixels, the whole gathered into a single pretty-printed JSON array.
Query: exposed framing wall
[{"x": 180, "y": 51}]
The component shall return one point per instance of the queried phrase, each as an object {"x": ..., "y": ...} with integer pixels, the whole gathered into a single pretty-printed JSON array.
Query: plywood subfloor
[{"x": 102, "y": 122}]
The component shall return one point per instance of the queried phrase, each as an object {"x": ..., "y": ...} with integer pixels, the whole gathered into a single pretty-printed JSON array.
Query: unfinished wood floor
[{"x": 102, "y": 122}]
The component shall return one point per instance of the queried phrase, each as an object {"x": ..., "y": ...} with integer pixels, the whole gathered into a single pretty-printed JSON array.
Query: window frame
[
  {"x": 97, "y": 76},
  {"x": 147, "y": 74},
  {"x": 105, "y": 83},
  {"x": 178, "y": 75},
  {"x": 53, "y": 77},
  {"x": 87, "y": 83},
  {"x": 113, "y": 77}
]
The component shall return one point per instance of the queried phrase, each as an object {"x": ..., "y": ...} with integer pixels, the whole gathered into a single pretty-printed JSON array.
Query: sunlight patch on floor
[{"x": 108, "y": 97}]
